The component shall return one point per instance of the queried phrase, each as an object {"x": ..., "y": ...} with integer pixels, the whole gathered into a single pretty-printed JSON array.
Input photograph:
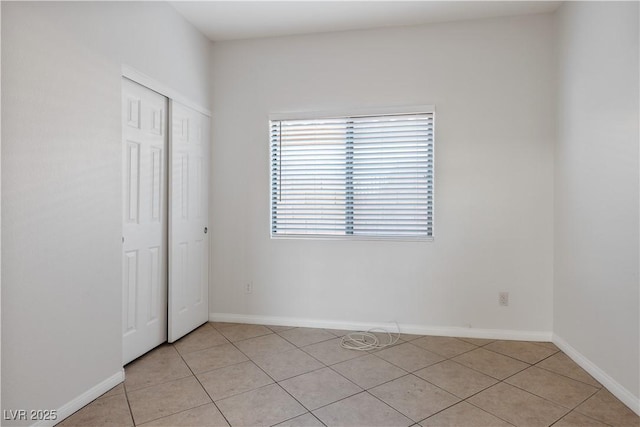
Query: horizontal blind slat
[{"x": 366, "y": 175}]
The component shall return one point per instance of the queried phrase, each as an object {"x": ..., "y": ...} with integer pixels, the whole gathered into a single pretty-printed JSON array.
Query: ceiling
[{"x": 233, "y": 20}]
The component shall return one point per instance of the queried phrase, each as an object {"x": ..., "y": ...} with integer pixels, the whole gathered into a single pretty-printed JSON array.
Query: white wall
[
  {"x": 596, "y": 297},
  {"x": 61, "y": 182},
  {"x": 492, "y": 84}
]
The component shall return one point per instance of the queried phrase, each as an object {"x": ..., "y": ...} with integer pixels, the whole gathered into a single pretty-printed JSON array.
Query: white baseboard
[
  {"x": 501, "y": 334},
  {"x": 619, "y": 391},
  {"x": 85, "y": 398}
]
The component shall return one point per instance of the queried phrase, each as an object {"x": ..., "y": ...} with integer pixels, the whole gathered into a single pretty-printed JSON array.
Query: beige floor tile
[
  {"x": 220, "y": 325},
  {"x": 279, "y": 328},
  {"x": 368, "y": 371},
  {"x": 261, "y": 407},
  {"x": 304, "y": 420},
  {"x": 281, "y": 366},
  {"x": 562, "y": 364},
  {"x": 456, "y": 378},
  {"x": 243, "y": 332},
  {"x": 414, "y": 397},
  {"x": 444, "y": 346},
  {"x": 204, "y": 337},
  {"x": 261, "y": 346},
  {"x": 361, "y": 410},
  {"x": 548, "y": 345},
  {"x": 490, "y": 363},
  {"x": 409, "y": 357},
  {"x": 556, "y": 388},
  {"x": 106, "y": 411},
  {"x": 385, "y": 339},
  {"x": 388, "y": 339},
  {"x": 575, "y": 419},
  {"x": 160, "y": 365},
  {"x": 234, "y": 379},
  {"x": 119, "y": 389},
  {"x": 477, "y": 341},
  {"x": 517, "y": 406},
  {"x": 319, "y": 388},
  {"x": 339, "y": 332},
  {"x": 166, "y": 399},
  {"x": 410, "y": 337},
  {"x": 202, "y": 416},
  {"x": 463, "y": 415},
  {"x": 605, "y": 407},
  {"x": 213, "y": 358},
  {"x": 524, "y": 351},
  {"x": 330, "y": 352},
  {"x": 163, "y": 392},
  {"x": 301, "y": 337}
]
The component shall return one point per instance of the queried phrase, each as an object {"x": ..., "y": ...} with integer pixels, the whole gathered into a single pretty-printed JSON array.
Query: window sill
[{"x": 354, "y": 238}]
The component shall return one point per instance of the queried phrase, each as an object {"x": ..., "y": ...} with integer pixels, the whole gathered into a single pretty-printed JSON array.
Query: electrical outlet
[
  {"x": 249, "y": 288},
  {"x": 503, "y": 298}
]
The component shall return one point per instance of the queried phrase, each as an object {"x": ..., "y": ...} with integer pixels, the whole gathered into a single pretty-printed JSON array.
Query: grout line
[
  {"x": 545, "y": 358},
  {"x": 326, "y": 364},
  {"x": 587, "y": 416},
  {"x": 539, "y": 344},
  {"x": 168, "y": 415},
  {"x": 250, "y": 338},
  {"x": 490, "y": 413},
  {"x": 274, "y": 381},
  {"x": 570, "y": 408},
  {"x": 304, "y": 406},
  {"x": 203, "y": 349},
  {"x": 506, "y": 355},
  {"x": 293, "y": 418},
  {"x": 284, "y": 379},
  {"x": 363, "y": 390},
  {"x": 160, "y": 383},
  {"x": 398, "y": 411},
  {"x": 220, "y": 367},
  {"x": 204, "y": 389},
  {"x": 453, "y": 394},
  {"x": 377, "y": 385},
  {"x": 489, "y": 375},
  {"x": 599, "y": 387},
  {"x": 304, "y": 345},
  {"x": 126, "y": 396},
  {"x": 165, "y": 344},
  {"x": 311, "y": 356},
  {"x": 200, "y": 349},
  {"x": 405, "y": 369},
  {"x": 175, "y": 413}
]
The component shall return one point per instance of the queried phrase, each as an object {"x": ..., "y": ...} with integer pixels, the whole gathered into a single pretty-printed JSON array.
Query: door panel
[
  {"x": 144, "y": 282},
  {"x": 188, "y": 213}
]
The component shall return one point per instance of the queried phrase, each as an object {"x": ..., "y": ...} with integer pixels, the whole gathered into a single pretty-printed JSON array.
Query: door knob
[{"x": 205, "y": 230}]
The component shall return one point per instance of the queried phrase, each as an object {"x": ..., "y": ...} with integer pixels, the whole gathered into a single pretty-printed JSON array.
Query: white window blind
[{"x": 353, "y": 176}]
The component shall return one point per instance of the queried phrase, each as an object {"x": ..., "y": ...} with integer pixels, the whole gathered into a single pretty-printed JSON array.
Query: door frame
[{"x": 162, "y": 89}]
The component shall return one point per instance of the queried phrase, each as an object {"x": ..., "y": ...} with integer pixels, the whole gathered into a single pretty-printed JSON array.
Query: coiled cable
[{"x": 368, "y": 340}]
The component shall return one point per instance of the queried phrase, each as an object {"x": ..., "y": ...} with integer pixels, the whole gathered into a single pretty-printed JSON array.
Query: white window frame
[{"x": 354, "y": 112}]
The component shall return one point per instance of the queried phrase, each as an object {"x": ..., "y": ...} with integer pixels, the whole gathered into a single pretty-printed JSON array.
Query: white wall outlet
[
  {"x": 503, "y": 298},
  {"x": 249, "y": 288}
]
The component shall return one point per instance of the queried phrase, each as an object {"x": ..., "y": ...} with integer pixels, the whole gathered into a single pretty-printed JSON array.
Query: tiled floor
[{"x": 250, "y": 375}]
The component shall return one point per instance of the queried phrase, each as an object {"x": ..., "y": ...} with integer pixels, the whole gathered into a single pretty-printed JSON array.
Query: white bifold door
[
  {"x": 188, "y": 216},
  {"x": 165, "y": 259},
  {"x": 144, "y": 244}
]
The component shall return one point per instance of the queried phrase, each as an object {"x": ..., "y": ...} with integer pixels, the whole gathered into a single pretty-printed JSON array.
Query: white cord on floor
[{"x": 368, "y": 340}]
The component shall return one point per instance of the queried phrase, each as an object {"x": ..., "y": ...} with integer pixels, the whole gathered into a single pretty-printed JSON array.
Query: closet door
[
  {"x": 144, "y": 130},
  {"x": 188, "y": 216}
]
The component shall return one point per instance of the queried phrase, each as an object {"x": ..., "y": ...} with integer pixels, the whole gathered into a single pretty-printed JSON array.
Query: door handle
[{"x": 205, "y": 230}]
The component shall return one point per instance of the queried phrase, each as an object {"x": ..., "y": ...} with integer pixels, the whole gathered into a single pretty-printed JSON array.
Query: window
[{"x": 358, "y": 175}]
